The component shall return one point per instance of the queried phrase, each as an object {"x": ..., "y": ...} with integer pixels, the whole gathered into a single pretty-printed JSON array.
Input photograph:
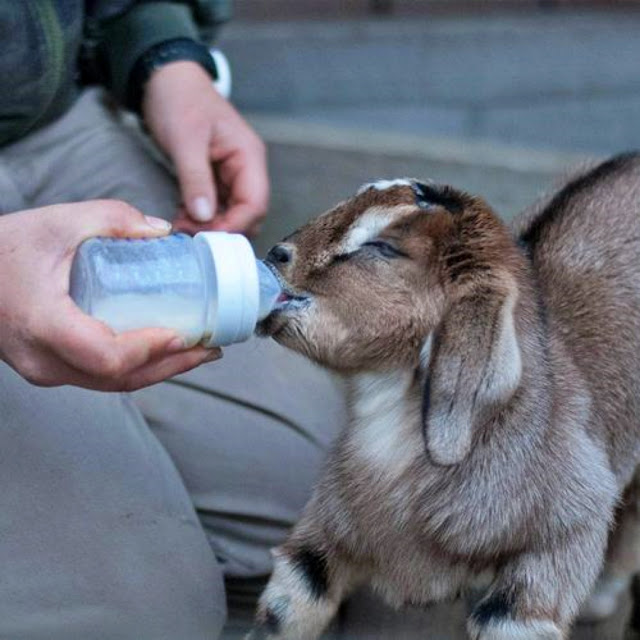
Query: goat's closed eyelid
[
  {"x": 342, "y": 257},
  {"x": 382, "y": 248},
  {"x": 386, "y": 249}
]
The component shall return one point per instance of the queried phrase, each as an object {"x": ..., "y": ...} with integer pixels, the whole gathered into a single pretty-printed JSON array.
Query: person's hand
[
  {"x": 44, "y": 336},
  {"x": 219, "y": 160}
]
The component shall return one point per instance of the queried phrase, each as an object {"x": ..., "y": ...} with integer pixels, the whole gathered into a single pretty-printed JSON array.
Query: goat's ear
[{"x": 474, "y": 363}]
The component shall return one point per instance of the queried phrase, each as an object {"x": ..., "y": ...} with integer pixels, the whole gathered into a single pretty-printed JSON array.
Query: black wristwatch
[{"x": 161, "y": 54}]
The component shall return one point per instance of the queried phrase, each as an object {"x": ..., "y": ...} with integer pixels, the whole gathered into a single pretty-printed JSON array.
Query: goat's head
[{"x": 400, "y": 273}]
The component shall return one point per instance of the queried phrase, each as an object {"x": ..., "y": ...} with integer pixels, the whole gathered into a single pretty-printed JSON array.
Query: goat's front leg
[
  {"x": 537, "y": 595},
  {"x": 304, "y": 592}
]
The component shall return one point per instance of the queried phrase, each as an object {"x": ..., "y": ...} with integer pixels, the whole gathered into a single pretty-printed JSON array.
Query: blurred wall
[
  {"x": 563, "y": 80},
  {"x": 288, "y": 9}
]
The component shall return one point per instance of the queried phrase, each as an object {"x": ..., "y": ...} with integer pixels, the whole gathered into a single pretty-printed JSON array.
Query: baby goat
[{"x": 495, "y": 403}]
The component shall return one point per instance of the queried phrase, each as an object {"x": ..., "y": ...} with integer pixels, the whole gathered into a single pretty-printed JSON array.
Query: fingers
[
  {"x": 248, "y": 181},
  {"x": 185, "y": 224},
  {"x": 91, "y": 347},
  {"x": 93, "y": 356},
  {"x": 240, "y": 218},
  {"x": 167, "y": 367},
  {"x": 195, "y": 175},
  {"x": 243, "y": 175}
]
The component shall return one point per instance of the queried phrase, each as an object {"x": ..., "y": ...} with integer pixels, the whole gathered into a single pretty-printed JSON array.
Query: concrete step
[
  {"x": 481, "y": 60},
  {"x": 314, "y": 166}
]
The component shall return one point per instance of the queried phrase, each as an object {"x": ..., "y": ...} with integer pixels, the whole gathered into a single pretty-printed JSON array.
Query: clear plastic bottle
[{"x": 210, "y": 288}]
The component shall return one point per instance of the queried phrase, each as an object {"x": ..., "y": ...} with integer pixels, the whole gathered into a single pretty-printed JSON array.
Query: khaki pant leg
[{"x": 98, "y": 536}]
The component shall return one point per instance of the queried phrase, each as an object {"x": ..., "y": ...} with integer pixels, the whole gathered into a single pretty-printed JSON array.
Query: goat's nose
[{"x": 281, "y": 253}]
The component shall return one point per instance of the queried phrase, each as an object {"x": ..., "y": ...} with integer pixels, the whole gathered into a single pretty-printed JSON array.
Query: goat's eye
[{"x": 385, "y": 249}]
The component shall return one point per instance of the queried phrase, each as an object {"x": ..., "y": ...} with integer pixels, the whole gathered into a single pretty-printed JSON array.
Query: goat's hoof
[{"x": 508, "y": 629}]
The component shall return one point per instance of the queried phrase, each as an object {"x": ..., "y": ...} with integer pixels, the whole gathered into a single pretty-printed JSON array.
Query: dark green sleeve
[{"x": 126, "y": 37}]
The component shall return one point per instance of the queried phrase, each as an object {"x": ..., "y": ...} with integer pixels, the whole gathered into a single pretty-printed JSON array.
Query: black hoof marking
[
  {"x": 313, "y": 566},
  {"x": 499, "y": 605},
  {"x": 272, "y": 622},
  {"x": 275, "y": 614}
]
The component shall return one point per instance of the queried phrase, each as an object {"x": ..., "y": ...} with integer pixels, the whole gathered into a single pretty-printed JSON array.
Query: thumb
[
  {"x": 195, "y": 175},
  {"x": 110, "y": 218}
]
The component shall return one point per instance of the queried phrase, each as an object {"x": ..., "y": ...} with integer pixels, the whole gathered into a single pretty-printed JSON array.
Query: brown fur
[{"x": 495, "y": 387}]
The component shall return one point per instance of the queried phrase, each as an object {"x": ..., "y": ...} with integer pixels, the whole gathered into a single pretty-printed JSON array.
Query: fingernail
[
  {"x": 201, "y": 210},
  {"x": 158, "y": 223},
  {"x": 177, "y": 344}
]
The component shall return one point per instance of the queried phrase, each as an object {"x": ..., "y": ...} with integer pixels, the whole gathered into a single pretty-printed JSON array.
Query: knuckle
[
  {"x": 108, "y": 364},
  {"x": 258, "y": 145},
  {"x": 259, "y": 212},
  {"x": 119, "y": 211},
  {"x": 121, "y": 208},
  {"x": 31, "y": 370}
]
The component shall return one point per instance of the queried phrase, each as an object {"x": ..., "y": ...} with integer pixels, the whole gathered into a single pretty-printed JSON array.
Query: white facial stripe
[
  {"x": 381, "y": 185},
  {"x": 369, "y": 225}
]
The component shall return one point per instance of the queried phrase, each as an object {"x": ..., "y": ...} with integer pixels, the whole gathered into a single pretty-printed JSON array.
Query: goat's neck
[{"x": 385, "y": 413}]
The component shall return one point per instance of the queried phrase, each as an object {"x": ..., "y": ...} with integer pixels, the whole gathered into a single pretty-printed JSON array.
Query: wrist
[
  {"x": 162, "y": 55},
  {"x": 174, "y": 87}
]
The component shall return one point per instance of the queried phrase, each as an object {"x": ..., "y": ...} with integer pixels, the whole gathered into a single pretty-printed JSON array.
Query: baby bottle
[{"x": 210, "y": 288}]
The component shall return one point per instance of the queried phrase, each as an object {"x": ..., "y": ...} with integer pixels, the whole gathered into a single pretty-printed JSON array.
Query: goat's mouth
[
  {"x": 290, "y": 301},
  {"x": 287, "y": 304},
  {"x": 286, "y": 308}
]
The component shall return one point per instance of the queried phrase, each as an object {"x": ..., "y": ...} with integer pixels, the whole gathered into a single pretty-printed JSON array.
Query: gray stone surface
[{"x": 550, "y": 79}]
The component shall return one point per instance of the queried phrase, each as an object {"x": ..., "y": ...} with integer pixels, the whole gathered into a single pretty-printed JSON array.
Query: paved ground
[{"x": 367, "y": 619}]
